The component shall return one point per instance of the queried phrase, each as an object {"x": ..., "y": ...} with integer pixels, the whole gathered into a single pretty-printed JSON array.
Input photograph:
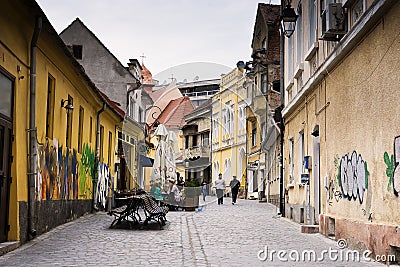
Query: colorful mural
[
  {"x": 353, "y": 176},
  {"x": 86, "y": 172},
  {"x": 63, "y": 174}
]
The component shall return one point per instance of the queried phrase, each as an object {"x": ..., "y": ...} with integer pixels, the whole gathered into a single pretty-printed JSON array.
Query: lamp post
[{"x": 287, "y": 27}]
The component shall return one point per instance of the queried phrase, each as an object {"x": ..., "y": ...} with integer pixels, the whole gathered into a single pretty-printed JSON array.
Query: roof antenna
[{"x": 143, "y": 57}]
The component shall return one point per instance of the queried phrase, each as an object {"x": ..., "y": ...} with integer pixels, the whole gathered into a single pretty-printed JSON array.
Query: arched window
[
  {"x": 216, "y": 170},
  {"x": 240, "y": 165},
  {"x": 229, "y": 169},
  {"x": 226, "y": 169}
]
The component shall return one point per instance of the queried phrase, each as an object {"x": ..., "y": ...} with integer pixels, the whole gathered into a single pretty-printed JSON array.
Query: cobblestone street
[{"x": 224, "y": 235}]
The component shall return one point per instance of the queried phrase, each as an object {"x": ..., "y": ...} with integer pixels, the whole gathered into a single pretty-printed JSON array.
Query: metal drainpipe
[
  {"x": 97, "y": 159},
  {"x": 247, "y": 159},
  {"x": 32, "y": 132},
  {"x": 281, "y": 124}
]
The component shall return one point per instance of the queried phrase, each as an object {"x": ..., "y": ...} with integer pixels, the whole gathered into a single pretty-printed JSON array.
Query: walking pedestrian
[
  {"x": 180, "y": 183},
  {"x": 234, "y": 184},
  {"x": 174, "y": 195},
  {"x": 220, "y": 186},
  {"x": 204, "y": 189}
]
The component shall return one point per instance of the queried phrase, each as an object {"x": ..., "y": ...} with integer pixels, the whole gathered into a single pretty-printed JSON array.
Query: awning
[
  {"x": 146, "y": 161},
  {"x": 272, "y": 135}
]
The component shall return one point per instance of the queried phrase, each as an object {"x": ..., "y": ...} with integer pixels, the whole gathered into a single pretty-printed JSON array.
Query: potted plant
[{"x": 192, "y": 191}]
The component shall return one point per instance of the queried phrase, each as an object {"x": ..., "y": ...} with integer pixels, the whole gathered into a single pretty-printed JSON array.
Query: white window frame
[
  {"x": 232, "y": 118},
  {"x": 301, "y": 153},
  {"x": 299, "y": 35},
  {"x": 132, "y": 107},
  {"x": 291, "y": 161},
  {"x": 215, "y": 125},
  {"x": 312, "y": 22},
  {"x": 290, "y": 58}
]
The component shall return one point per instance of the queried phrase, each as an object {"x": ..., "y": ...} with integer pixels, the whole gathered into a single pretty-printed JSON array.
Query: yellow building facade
[
  {"x": 228, "y": 141},
  {"x": 59, "y": 179},
  {"x": 341, "y": 136}
]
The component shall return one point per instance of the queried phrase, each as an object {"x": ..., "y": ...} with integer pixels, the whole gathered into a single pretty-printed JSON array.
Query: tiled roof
[
  {"x": 147, "y": 76},
  {"x": 113, "y": 104},
  {"x": 161, "y": 99},
  {"x": 173, "y": 114},
  {"x": 203, "y": 108}
]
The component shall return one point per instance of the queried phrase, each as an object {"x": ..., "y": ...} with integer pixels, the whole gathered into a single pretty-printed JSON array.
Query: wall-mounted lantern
[
  {"x": 288, "y": 20},
  {"x": 67, "y": 105}
]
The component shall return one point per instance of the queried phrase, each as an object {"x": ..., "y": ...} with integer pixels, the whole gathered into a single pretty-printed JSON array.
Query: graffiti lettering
[
  {"x": 353, "y": 176},
  {"x": 338, "y": 195},
  {"x": 365, "y": 214},
  {"x": 333, "y": 193}
]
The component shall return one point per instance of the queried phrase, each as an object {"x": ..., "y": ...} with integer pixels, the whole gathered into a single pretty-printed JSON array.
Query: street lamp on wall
[
  {"x": 288, "y": 20},
  {"x": 65, "y": 103}
]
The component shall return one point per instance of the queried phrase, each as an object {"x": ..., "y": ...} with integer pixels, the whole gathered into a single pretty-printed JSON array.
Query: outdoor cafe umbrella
[
  {"x": 172, "y": 139},
  {"x": 161, "y": 167}
]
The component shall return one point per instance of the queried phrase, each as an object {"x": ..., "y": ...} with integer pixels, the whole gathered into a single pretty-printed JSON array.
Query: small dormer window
[{"x": 77, "y": 51}]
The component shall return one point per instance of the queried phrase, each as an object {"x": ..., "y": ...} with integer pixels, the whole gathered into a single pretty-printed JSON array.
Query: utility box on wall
[{"x": 305, "y": 178}]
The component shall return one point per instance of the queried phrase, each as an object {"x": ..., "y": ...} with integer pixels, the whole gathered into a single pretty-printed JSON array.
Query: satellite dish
[
  {"x": 196, "y": 78},
  {"x": 185, "y": 80},
  {"x": 240, "y": 65}
]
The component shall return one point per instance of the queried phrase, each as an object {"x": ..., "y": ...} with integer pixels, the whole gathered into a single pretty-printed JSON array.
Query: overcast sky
[{"x": 168, "y": 32}]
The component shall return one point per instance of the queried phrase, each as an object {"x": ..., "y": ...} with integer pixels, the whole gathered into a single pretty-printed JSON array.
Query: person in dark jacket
[
  {"x": 220, "y": 187},
  {"x": 234, "y": 184}
]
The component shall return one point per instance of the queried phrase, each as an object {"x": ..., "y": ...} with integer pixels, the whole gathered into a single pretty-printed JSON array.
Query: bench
[
  {"x": 153, "y": 211},
  {"x": 126, "y": 213}
]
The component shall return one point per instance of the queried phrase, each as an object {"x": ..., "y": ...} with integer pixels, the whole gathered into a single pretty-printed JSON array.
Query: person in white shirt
[
  {"x": 174, "y": 193},
  {"x": 220, "y": 186}
]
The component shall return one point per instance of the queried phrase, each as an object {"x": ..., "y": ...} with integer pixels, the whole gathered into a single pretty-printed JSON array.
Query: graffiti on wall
[
  {"x": 333, "y": 190},
  {"x": 393, "y": 167},
  {"x": 57, "y": 176},
  {"x": 63, "y": 174},
  {"x": 353, "y": 176},
  {"x": 367, "y": 214},
  {"x": 86, "y": 172},
  {"x": 333, "y": 193},
  {"x": 104, "y": 185}
]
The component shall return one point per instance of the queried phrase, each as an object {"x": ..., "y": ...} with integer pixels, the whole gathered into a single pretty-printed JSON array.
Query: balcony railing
[
  {"x": 203, "y": 94},
  {"x": 196, "y": 152}
]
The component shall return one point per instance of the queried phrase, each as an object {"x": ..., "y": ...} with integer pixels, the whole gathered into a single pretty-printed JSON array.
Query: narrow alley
[{"x": 219, "y": 235}]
